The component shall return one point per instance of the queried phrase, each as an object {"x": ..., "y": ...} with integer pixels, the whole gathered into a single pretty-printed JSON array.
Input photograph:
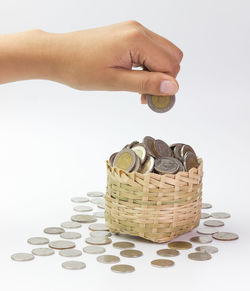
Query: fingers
[
  {"x": 145, "y": 82},
  {"x": 143, "y": 99}
]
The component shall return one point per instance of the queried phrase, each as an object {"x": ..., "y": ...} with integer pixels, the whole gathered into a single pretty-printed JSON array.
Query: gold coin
[
  {"x": 199, "y": 256},
  {"x": 225, "y": 236},
  {"x": 148, "y": 165},
  {"x": 125, "y": 160},
  {"x": 131, "y": 253},
  {"x": 179, "y": 245},
  {"x": 122, "y": 268},
  {"x": 123, "y": 245},
  {"x": 108, "y": 259},
  {"x": 168, "y": 253},
  {"x": 162, "y": 263},
  {"x": 213, "y": 223},
  {"x": 160, "y": 104},
  {"x": 201, "y": 239}
]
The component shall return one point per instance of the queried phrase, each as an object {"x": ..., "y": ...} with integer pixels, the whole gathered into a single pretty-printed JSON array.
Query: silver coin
[
  {"x": 99, "y": 214},
  {"x": 97, "y": 200},
  {"x": 122, "y": 268},
  {"x": 220, "y": 215},
  {"x": 111, "y": 159},
  {"x": 95, "y": 194},
  {"x": 82, "y": 208},
  {"x": 98, "y": 226},
  {"x": 130, "y": 145},
  {"x": 206, "y": 230},
  {"x": 123, "y": 245},
  {"x": 73, "y": 265},
  {"x": 70, "y": 235},
  {"x": 83, "y": 218},
  {"x": 94, "y": 250},
  {"x": 177, "y": 151},
  {"x": 100, "y": 233},
  {"x": 61, "y": 244},
  {"x": 213, "y": 223},
  {"x": 162, "y": 263},
  {"x": 148, "y": 142},
  {"x": 98, "y": 240},
  {"x": 79, "y": 199},
  {"x": 190, "y": 161},
  {"x": 131, "y": 253},
  {"x": 53, "y": 230},
  {"x": 207, "y": 249},
  {"x": 199, "y": 256},
  {"x": 166, "y": 165},
  {"x": 137, "y": 166},
  {"x": 225, "y": 236},
  {"x": 71, "y": 224},
  {"x": 38, "y": 240},
  {"x": 205, "y": 215},
  {"x": 148, "y": 165},
  {"x": 160, "y": 104},
  {"x": 206, "y": 205},
  {"x": 22, "y": 257},
  {"x": 70, "y": 253},
  {"x": 201, "y": 239},
  {"x": 101, "y": 205},
  {"x": 108, "y": 259},
  {"x": 162, "y": 149},
  {"x": 140, "y": 151},
  {"x": 168, "y": 253},
  {"x": 43, "y": 252},
  {"x": 186, "y": 148}
]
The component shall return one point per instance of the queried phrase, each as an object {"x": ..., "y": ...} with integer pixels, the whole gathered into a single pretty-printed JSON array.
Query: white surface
[{"x": 54, "y": 142}]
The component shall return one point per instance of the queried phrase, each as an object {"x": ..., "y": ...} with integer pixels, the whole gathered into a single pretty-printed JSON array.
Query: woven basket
[{"x": 155, "y": 207}]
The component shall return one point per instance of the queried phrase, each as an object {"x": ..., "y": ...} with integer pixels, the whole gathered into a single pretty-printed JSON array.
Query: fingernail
[{"x": 168, "y": 87}]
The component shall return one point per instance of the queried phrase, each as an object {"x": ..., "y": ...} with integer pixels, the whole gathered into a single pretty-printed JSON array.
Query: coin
[
  {"x": 73, "y": 265},
  {"x": 53, "y": 230},
  {"x": 186, "y": 148},
  {"x": 206, "y": 230},
  {"x": 206, "y": 205},
  {"x": 125, "y": 160},
  {"x": 162, "y": 149},
  {"x": 70, "y": 235},
  {"x": 131, "y": 253},
  {"x": 98, "y": 240},
  {"x": 98, "y": 226},
  {"x": 177, "y": 151},
  {"x": 148, "y": 142},
  {"x": 22, "y": 257},
  {"x": 70, "y": 253},
  {"x": 97, "y": 200},
  {"x": 70, "y": 224},
  {"x": 190, "y": 161},
  {"x": 207, "y": 249},
  {"x": 166, "y": 165},
  {"x": 100, "y": 233},
  {"x": 95, "y": 194},
  {"x": 148, "y": 165},
  {"x": 213, "y": 223},
  {"x": 199, "y": 256},
  {"x": 140, "y": 151},
  {"x": 201, "y": 239},
  {"x": 137, "y": 166},
  {"x": 130, "y": 145},
  {"x": 79, "y": 199},
  {"x": 38, "y": 241},
  {"x": 162, "y": 263},
  {"x": 123, "y": 245},
  {"x": 220, "y": 215},
  {"x": 168, "y": 253},
  {"x": 122, "y": 268},
  {"x": 205, "y": 215},
  {"x": 83, "y": 218},
  {"x": 94, "y": 250},
  {"x": 83, "y": 208},
  {"x": 225, "y": 236},
  {"x": 160, "y": 104},
  {"x": 61, "y": 244},
  {"x": 179, "y": 245},
  {"x": 99, "y": 214},
  {"x": 43, "y": 252},
  {"x": 108, "y": 259},
  {"x": 101, "y": 205},
  {"x": 111, "y": 159}
]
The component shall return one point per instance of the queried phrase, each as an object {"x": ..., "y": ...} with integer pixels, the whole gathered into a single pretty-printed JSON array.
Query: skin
[{"x": 95, "y": 59}]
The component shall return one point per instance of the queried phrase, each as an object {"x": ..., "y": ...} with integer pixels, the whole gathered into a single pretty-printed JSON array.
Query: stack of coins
[{"x": 156, "y": 156}]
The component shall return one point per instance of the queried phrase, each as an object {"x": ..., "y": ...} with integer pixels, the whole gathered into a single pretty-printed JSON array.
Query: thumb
[{"x": 145, "y": 82}]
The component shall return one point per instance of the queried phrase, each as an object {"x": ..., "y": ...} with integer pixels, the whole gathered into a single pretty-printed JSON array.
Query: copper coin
[
  {"x": 213, "y": 223},
  {"x": 205, "y": 215},
  {"x": 225, "y": 236},
  {"x": 201, "y": 239},
  {"x": 179, "y": 245},
  {"x": 199, "y": 256},
  {"x": 207, "y": 249},
  {"x": 131, "y": 253},
  {"x": 122, "y": 268},
  {"x": 220, "y": 215},
  {"x": 123, "y": 245},
  {"x": 206, "y": 205},
  {"x": 168, "y": 253},
  {"x": 162, "y": 263},
  {"x": 108, "y": 259}
]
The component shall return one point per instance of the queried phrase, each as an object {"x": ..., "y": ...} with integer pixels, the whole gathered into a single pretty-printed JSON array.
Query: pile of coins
[
  {"x": 100, "y": 235},
  {"x": 156, "y": 156}
]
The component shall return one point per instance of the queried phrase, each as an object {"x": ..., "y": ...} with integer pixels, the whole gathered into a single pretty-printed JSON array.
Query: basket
[{"x": 155, "y": 207}]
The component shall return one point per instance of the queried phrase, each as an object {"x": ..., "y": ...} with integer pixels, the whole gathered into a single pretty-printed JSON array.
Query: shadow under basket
[{"x": 152, "y": 206}]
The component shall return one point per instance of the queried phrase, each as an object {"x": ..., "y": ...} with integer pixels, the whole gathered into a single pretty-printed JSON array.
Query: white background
[{"x": 54, "y": 141}]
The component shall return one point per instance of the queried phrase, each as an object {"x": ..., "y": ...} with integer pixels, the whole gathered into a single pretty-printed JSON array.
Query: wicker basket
[{"x": 155, "y": 207}]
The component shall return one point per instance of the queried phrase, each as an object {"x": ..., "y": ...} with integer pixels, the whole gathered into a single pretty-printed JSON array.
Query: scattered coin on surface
[
  {"x": 53, "y": 230},
  {"x": 83, "y": 208},
  {"x": 205, "y": 215},
  {"x": 98, "y": 227},
  {"x": 98, "y": 240},
  {"x": 43, "y": 252},
  {"x": 71, "y": 224},
  {"x": 22, "y": 257},
  {"x": 179, "y": 245},
  {"x": 94, "y": 250},
  {"x": 38, "y": 240},
  {"x": 61, "y": 244},
  {"x": 95, "y": 194},
  {"x": 70, "y": 253},
  {"x": 97, "y": 200},
  {"x": 199, "y": 256},
  {"x": 100, "y": 233},
  {"x": 131, "y": 253},
  {"x": 206, "y": 230},
  {"x": 201, "y": 239},
  {"x": 122, "y": 268},
  {"x": 79, "y": 199},
  {"x": 213, "y": 223},
  {"x": 206, "y": 205},
  {"x": 220, "y": 215},
  {"x": 70, "y": 235},
  {"x": 73, "y": 265},
  {"x": 168, "y": 252},
  {"x": 83, "y": 218},
  {"x": 123, "y": 245},
  {"x": 108, "y": 259},
  {"x": 207, "y": 249},
  {"x": 225, "y": 236},
  {"x": 162, "y": 263},
  {"x": 160, "y": 104}
]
